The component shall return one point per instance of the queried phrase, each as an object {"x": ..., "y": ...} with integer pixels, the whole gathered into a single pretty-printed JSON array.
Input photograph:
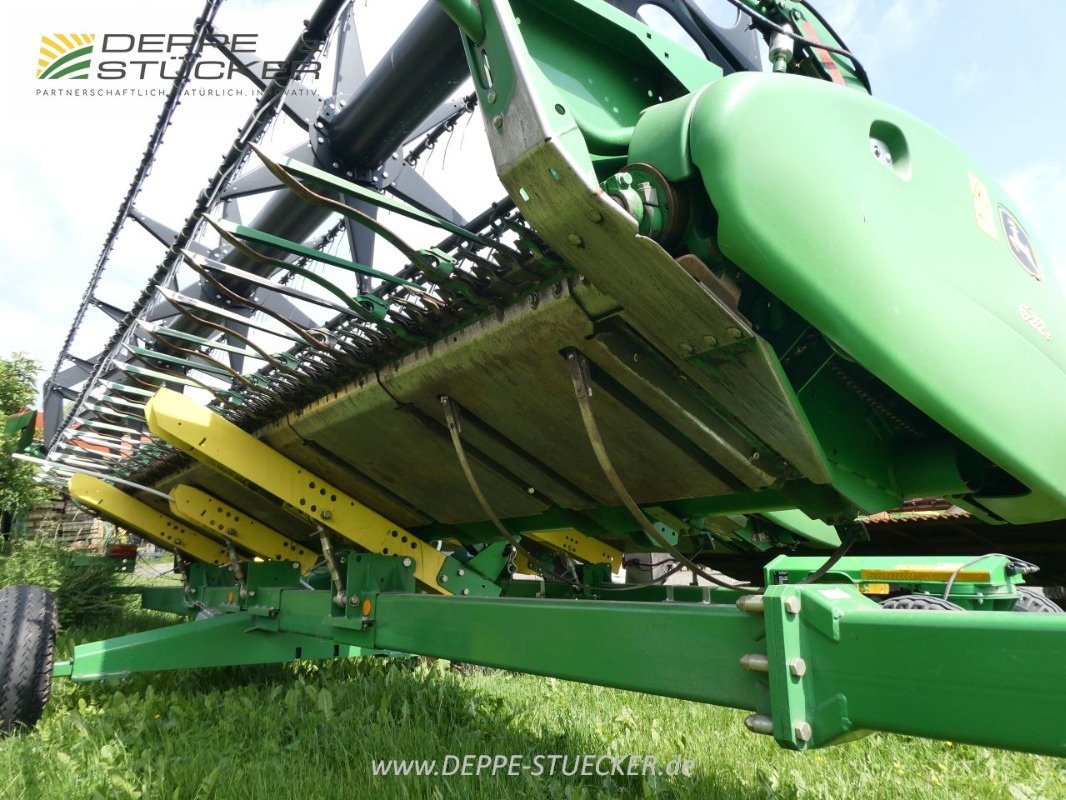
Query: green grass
[{"x": 309, "y": 730}]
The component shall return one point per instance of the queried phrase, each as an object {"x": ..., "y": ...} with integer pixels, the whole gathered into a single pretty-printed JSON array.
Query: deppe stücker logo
[
  {"x": 65, "y": 55},
  {"x": 148, "y": 56}
]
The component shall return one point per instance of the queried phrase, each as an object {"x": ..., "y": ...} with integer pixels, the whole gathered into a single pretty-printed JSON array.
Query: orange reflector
[
  {"x": 229, "y": 598},
  {"x": 367, "y": 607}
]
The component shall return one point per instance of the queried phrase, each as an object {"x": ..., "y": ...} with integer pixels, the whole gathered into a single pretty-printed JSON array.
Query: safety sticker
[{"x": 982, "y": 207}]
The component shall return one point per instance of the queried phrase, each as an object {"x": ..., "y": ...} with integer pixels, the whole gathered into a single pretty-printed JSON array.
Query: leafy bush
[{"x": 85, "y": 594}]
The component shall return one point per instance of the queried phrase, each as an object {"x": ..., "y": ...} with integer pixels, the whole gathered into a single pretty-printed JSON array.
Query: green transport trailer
[{"x": 729, "y": 308}]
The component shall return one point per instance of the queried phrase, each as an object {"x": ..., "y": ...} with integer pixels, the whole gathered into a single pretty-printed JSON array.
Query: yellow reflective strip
[
  {"x": 874, "y": 588},
  {"x": 930, "y": 574}
]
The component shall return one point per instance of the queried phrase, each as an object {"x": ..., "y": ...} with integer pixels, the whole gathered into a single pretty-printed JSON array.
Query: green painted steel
[
  {"x": 957, "y": 313},
  {"x": 225, "y": 640},
  {"x": 682, "y": 650},
  {"x": 983, "y": 584},
  {"x": 981, "y": 677},
  {"x": 818, "y": 663}
]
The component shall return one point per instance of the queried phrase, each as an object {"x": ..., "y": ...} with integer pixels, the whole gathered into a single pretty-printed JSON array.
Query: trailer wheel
[
  {"x": 920, "y": 602},
  {"x": 1033, "y": 601},
  {"x": 27, "y": 651}
]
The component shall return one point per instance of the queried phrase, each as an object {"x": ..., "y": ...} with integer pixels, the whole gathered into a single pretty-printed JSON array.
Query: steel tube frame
[{"x": 818, "y": 663}]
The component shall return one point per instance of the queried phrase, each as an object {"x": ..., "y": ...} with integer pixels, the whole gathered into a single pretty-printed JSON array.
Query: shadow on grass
[{"x": 314, "y": 728}]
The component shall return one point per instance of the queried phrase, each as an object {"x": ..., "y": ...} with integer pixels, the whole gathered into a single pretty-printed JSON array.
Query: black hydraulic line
[{"x": 860, "y": 71}]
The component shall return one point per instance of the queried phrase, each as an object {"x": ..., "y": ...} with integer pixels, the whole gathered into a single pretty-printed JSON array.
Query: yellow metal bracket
[
  {"x": 579, "y": 545},
  {"x": 218, "y": 443},
  {"x": 128, "y": 512},
  {"x": 201, "y": 509}
]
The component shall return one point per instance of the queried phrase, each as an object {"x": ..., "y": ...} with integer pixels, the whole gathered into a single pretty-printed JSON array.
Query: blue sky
[{"x": 987, "y": 73}]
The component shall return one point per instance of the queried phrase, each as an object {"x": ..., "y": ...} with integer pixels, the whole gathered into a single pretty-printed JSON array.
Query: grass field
[{"x": 310, "y": 730}]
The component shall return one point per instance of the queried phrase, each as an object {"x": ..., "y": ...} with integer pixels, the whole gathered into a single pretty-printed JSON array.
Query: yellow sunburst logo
[{"x": 65, "y": 55}]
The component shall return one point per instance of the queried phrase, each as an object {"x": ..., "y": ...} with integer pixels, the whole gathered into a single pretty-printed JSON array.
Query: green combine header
[{"x": 732, "y": 311}]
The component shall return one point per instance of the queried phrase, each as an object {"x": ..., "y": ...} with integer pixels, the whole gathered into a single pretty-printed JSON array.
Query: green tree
[
  {"x": 18, "y": 379},
  {"x": 18, "y": 491}
]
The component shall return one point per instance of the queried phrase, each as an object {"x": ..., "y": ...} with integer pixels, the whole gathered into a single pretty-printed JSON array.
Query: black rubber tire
[
  {"x": 920, "y": 602},
  {"x": 1031, "y": 600},
  {"x": 27, "y": 652}
]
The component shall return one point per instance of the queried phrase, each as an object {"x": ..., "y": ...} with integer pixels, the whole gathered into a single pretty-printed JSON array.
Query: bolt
[
  {"x": 349, "y": 174},
  {"x": 792, "y": 605},
  {"x": 443, "y": 578},
  {"x": 336, "y": 165},
  {"x": 407, "y": 562},
  {"x": 752, "y": 603},
  {"x": 395, "y": 155},
  {"x": 319, "y": 125},
  {"x": 596, "y": 216},
  {"x": 759, "y": 723},
  {"x": 491, "y": 96},
  {"x": 755, "y": 662},
  {"x": 802, "y": 730},
  {"x": 461, "y": 573},
  {"x": 321, "y": 140},
  {"x": 798, "y": 667},
  {"x": 327, "y": 514},
  {"x": 384, "y": 174},
  {"x": 710, "y": 341},
  {"x": 466, "y": 592},
  {"x": 353, "y": 601},
  {"x": 575, "y": 240},
  {"x": 686, "y": 348},
  {"x": 733, "y": 333},
  {"x": 497, "y": 121},
  {"x": 295, "y": 564}
]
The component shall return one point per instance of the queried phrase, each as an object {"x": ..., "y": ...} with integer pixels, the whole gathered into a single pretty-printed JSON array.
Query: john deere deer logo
[{"x": 65, "y": 55}]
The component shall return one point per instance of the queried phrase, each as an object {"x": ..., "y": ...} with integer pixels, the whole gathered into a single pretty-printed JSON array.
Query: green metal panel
[
  {"x": 982, "y": 677},
  {"x": 688, "y": 651},
  {"x": 908, "y": 267}
]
